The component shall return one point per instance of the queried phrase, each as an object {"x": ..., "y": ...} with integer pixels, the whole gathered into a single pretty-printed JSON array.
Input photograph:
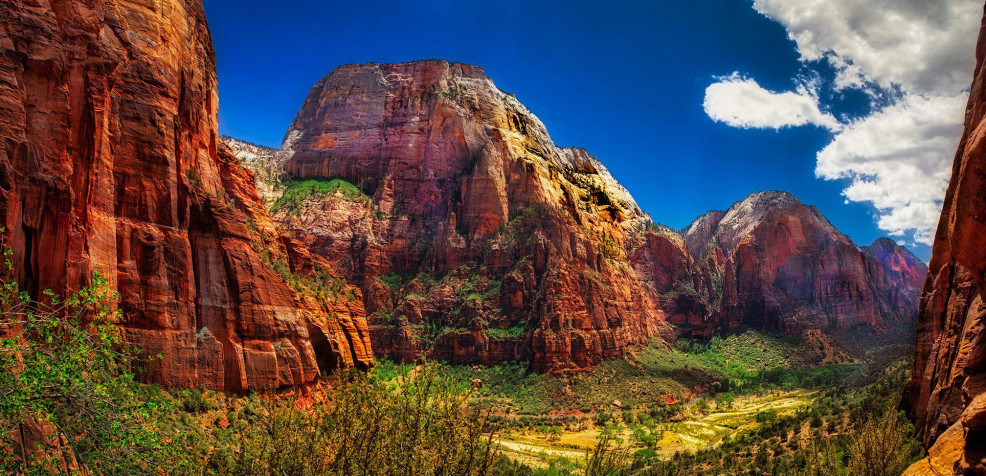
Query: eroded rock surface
[
  {"x": 472, "y": 235},
  {"x": 110, "y": 162},
  {"x": 945, "y": 396},
  {"x": 475, "y": 239},
  {"x": 778, "y": 264}
]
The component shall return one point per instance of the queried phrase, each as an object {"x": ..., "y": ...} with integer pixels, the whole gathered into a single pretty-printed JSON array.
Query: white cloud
[
  {"x": 898, "y": 158},
  {"x": 924, "y": 46},
  {"x": 741, "y": 102}
]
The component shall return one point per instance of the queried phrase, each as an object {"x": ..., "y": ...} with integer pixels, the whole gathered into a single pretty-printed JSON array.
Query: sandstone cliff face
[
  {"x": 945, "y": 396},
  {"x": 777, "y": 264},
  {"x": 472, "y": 236},
  {"x": 110, "y": 162}
]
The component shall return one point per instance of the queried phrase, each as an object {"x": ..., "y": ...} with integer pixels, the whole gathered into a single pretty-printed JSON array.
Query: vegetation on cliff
[{"x": 71, "y": 404}]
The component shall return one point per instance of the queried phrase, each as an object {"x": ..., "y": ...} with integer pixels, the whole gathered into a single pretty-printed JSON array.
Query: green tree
[
  {"x": 879, "y": 447},
  {"x": 67, "y": 397}
]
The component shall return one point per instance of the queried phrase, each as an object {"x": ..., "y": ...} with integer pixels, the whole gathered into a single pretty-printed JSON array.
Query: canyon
[
  {"x": 474, "y": 239},
  {"x": 110, "y": 163},
  {"x": 413, "y": 210}
]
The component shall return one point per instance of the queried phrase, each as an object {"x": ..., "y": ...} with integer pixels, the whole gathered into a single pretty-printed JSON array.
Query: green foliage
[
  {"x": 297, "y": 192},
  {"x": 766, "y": 416},
  {"x": 755, "y": 361},
  {"x": 193, "y": 178},
  {"x": 419, "y": 423},
  {"x": 609, "y": 248},
  {"x": 65, "y": 376},
  {"x": 319, "y": 283},
  {"x": 514, "y": 332},
  {"x": 452, "y": 93},
  {"x": 393, "y": 281},
  {"x": 881, "y": 446}
]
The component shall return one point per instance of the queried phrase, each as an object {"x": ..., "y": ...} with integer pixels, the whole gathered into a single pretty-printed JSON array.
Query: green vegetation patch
[
  {"x": 297, "y": 192},
  {"x": 514, "y": 332}
]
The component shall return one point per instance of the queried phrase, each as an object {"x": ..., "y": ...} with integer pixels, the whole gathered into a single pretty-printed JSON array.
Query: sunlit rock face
[
  {"x": 110, "y": 162},
  {"x": 475, "y": 239},
  {"x": 478, "y": 239},
  {"x": 945, "y": 396},
  {"x": 780, "y": 265}
]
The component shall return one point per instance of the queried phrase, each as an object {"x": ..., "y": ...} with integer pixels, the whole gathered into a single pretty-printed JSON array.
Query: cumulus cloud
[
  {"x": 921, "y": 52},
  {"x": 924, "y": 46},
  {"x": 741, "y": 102},
  {"x": 899, "y": 159}
]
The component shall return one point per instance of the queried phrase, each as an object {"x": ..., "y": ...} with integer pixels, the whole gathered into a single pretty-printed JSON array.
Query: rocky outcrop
[
  {"x": 946, "y": 395},
  {"x": 777, "y": 264},
  {"x": 472, "y": 236},
  {"x": 110, "y": 162}
]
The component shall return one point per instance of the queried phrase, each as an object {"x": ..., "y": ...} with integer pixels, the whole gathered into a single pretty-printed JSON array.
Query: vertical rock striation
[
  {"x": 778, "y": 264},
  {"x": 946, "y": 396},
  {"x": 110, "y": 162},
  {"x": 478, "y": 240},
  {"x": 475, "y": 239}
]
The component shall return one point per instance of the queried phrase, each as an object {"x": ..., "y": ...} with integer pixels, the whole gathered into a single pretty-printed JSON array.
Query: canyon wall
[
  {"x": 473, "y": 238},
  {"x": 945, "y": 396},
  {"x": 110, "y": 162},
  {"x": 775, "y": 263}
]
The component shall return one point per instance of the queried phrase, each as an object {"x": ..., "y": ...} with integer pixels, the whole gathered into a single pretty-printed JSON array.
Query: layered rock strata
[{"x": 110, "y": 162}]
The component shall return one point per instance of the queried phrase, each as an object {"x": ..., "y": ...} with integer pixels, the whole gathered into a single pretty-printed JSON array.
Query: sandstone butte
[
  {"x": 946, "y": 395},
  {"x": 110, "y": 162},
  {"x": 475, "y": 239}
]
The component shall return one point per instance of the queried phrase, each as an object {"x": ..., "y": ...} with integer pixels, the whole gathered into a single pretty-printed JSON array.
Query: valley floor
[{"x": 698, "y": 432}]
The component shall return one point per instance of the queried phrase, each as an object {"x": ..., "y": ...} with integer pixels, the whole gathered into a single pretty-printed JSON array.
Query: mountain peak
[{"x": 773, "y": 199}]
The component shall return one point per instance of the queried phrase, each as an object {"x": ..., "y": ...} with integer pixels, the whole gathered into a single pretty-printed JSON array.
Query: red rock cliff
[
  {"x": 109, "y": 162},
  {"x": 473, "y": 237},
  {"x": 946, "y": 396},
  {"x": 777, "y": 264}
]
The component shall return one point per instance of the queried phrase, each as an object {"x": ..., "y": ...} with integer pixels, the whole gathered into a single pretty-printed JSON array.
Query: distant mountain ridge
[{"x": 783, "y": 266}]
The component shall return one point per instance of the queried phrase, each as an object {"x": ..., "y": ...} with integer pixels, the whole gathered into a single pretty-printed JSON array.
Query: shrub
[
  {"x": 65, "y": 378},
  {"x": 878, "y": 448},
  {"x": 297, "y": 192},
  {"x": 419, "y": 423}
]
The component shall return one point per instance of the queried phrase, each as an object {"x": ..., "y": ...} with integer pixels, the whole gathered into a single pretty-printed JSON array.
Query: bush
[
  {"x": 879, "y": 447},
  {"x": 297, "y": 192},
  {"x": 65, "y": 384},
  {"x": 419, "y": 423}
]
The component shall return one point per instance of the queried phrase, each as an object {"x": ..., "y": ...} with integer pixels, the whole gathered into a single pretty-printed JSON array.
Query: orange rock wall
[
  {"x": 946, "y": 396},
  {"x": 110, "y": 162}
]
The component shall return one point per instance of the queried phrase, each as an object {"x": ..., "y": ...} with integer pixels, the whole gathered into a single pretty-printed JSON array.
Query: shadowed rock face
[
  {"x": 494, "y": 243},
  {"x": 780, "y": 265},
  {"x": 109, "y": 162},
  {"x": 946, "y": 396}
]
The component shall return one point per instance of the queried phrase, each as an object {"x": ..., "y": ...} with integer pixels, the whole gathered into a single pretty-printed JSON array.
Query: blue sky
[{"x": 631, "y": 82}]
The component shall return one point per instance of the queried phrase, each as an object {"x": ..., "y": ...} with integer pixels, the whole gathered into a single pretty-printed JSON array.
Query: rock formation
[
  {"x": 467, "y": 233},
  {"x": 473, "y": 238},
  {"x": 777, "y": 264},
  {"x": 946, "y": 396},
  {"x": 110, "y": 162}
]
